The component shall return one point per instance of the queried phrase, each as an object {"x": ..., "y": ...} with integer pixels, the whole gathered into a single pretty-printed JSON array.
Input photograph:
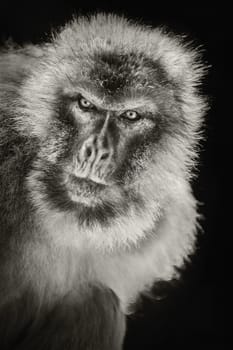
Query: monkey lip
[
  {"x": 91, "y": 183},
  {"x": 87, "y": 187}
]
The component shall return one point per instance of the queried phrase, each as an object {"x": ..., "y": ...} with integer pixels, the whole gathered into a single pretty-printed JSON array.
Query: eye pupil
[
  {"x": 132, "y": 115},
  {"x": 85, "y": 102}
]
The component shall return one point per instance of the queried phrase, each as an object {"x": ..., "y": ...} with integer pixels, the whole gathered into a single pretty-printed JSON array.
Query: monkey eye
[
  {"x": 131, "y": 115},
  {"x": 84, "y": 104}
]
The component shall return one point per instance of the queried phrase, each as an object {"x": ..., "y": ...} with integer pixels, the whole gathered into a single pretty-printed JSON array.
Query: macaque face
[{"x": 104, "y": 133}]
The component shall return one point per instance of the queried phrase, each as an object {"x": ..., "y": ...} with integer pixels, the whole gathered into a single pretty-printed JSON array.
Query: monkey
[{"x": 99, "y": 135}]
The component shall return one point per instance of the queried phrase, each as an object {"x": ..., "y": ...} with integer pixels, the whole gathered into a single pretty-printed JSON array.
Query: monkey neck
[{"x": 54, "y": 268}]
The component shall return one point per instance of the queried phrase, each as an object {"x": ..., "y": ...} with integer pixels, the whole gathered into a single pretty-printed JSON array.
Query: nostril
[
  {"x": 104, "y": 156},
  {"x": 88, "y": 152}
]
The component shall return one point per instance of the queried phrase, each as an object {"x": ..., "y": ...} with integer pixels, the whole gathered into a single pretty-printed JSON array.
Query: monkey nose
[{"x": 95, "y": 149}]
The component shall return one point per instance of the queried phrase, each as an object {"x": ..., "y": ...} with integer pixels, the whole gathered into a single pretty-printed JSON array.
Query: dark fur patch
[
  {"x": 95, "y": 323},
  {"x": 114, "y": 71},
  {"x": 137, "y": 148},
  {"x": 62, "y": 111},
  {"x": 102, "y": 214},
  {"x": 16, "y": 156}
]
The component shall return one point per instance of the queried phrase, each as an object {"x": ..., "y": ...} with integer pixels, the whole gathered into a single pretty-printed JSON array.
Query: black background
[{"x": 192, "y": 313}]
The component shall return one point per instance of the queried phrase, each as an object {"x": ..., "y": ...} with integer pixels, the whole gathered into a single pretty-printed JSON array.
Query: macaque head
[{"x": 114, "y": 112}]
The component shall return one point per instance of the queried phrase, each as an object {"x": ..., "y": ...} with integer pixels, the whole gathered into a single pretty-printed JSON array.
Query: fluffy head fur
[{"x": 99, "y": 129}]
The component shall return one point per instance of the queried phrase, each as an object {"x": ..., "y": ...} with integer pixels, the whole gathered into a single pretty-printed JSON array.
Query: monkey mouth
[
  {"x": 89, "y": 183},
  {"x": 84, "y": 188}
]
